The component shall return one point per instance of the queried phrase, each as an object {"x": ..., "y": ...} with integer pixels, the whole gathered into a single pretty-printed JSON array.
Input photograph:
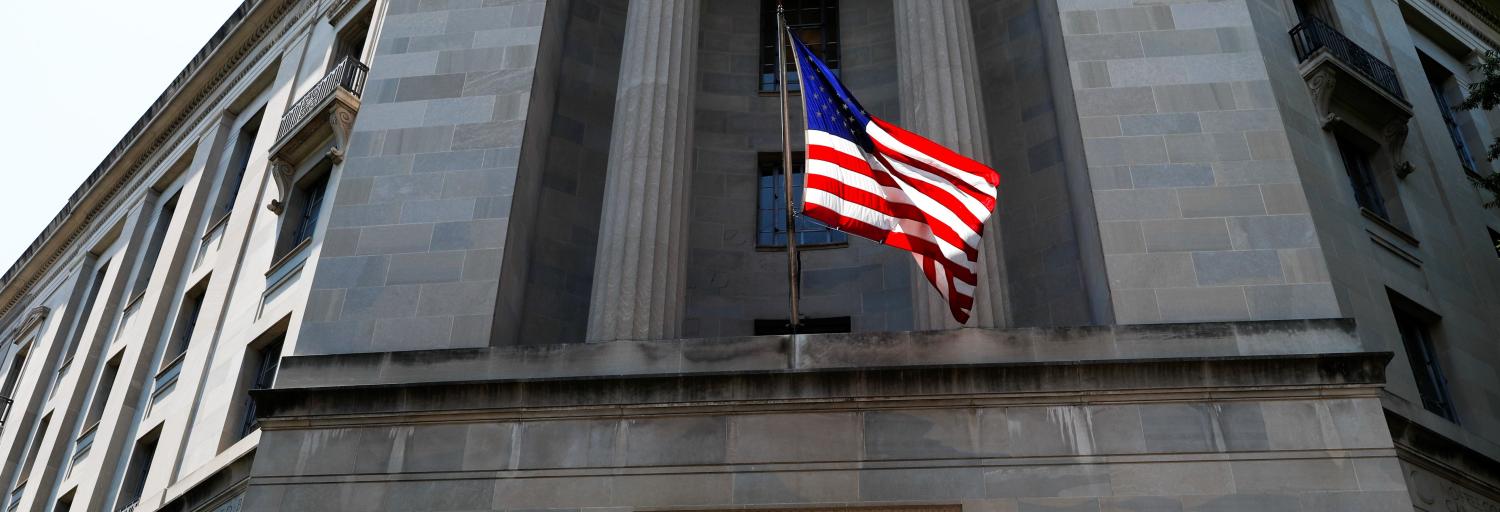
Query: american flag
[{"x": 871, "y": 178}]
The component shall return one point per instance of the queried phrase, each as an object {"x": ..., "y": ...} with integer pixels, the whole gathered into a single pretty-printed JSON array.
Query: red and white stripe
[{"x": 911, "y": 194}]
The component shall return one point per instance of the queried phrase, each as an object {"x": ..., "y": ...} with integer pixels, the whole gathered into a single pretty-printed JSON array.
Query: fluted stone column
[
  {"x": 639, "y": 285},
  {"x": 939, "y": 80}
]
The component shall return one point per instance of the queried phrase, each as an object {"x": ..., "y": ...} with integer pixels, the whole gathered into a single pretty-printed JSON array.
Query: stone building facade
[{"x": 521, "y": 255}]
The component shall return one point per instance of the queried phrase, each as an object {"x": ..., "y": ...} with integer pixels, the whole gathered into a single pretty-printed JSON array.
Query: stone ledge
[
  {"x": 1167, "y": 375},
  {"x": 824, "y": 351}
]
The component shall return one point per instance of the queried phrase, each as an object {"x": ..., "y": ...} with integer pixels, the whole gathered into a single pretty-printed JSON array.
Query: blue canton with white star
[{"x": 830, "y": 106}]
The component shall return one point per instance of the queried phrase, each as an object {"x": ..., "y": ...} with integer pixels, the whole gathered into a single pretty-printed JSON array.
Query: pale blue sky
[{"x": 77, "y": 75}]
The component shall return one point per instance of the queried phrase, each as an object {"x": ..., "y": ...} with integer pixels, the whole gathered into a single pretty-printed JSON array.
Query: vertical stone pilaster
[
  {"x": 638, "y": 284},
  {"x": 940, "y": 100}
]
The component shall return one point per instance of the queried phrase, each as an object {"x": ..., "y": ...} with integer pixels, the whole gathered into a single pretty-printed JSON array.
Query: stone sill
[
  {"x": 823, "y": 351},
  {"x": 1313, "y": 375}
]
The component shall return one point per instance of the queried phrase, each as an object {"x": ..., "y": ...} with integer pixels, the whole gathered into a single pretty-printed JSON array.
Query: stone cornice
[
  {"x": 1110, "y": 381},
  {"x": 225, "y": 60}
]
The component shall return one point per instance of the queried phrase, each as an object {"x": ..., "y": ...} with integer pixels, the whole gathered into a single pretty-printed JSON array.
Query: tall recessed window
[
  {"x": 181, "y": 336},
  {"x": 153, "y": 246},
  {"x": 1440, "y": 81},
  {"x": 350, "y": 44},
  {"x": 1312, "y": 9},
  {"x": 303, "y": 209},
  {"x": 102, "y": 390},
  {"x": 1415, "y": 325},
  {"x": 81, "y": 318},
  {"x": 12, "y": 377},
  {"x": 1362, "y": 177},
  {"x": 239, "y": 159},
  {"x": 23, "y": 468},
  {"x": 816, "y": 23},
  {"x": 267, "y": 362},
  {"x": 770, "y": 223},
  {"x": 137, "y": 472}
]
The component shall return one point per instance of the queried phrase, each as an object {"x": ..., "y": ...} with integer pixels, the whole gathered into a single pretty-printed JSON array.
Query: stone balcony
[{"x": 327, "y": 110}]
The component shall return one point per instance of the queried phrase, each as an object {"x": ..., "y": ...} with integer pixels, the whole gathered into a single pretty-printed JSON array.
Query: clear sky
[{"x": 77, "y": 75}]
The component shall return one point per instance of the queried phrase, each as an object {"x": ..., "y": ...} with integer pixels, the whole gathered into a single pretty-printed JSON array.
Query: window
[
  {"x": 268, "y": 361},
  {"x": 1415, "y": 326},
  {"x": 1362, "y": 177},
  {"x": 300, "y": 219},
  {"x": 351, "y": 41},
  {"x": 1495, "y": 241},
  {"x": 770, "y": 223},
  {"x": 101, "y": 398},
  {"x": 81, "y": 319},
  {"x": 1312, "y": 9},
  {"x": 136, "y": 473},
  {"x": 187, "y": 320},
  {"x": 7, "y": 393},
  {"x": 816, "y": 23},
  {"x": 33, "y": 447},
  {"x": 153, "y": 248},
  {"x": 239, "y": 160},
  {"x": 64, "y": 504},
  {"x": 808, "y": 326},
  {"x": 1438, "y": 79}
]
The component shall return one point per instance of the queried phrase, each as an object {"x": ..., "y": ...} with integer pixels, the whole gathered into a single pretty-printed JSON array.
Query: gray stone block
[
  {"x": 428, "y": 267},
  {"x": 488, "y": 135},
  {"x": 1180, "y": 42},
  {"x": 426, "y": 139},
  {"x": 1115, "y": 101},
  {"x": 1050, "y": 481},
  {"x": 919, "y": 434},
  {"x": 812, "y": 437},
  {"x": 1185, "y": 235},
  {"x": 1171, "y": 175},
  {"x": 1234, "y": 201},
  {"x": 461, "y": 298},
  {"x": 1159, "y": 124},
  {"x": 1136, "y": 204},
  {"x": 448, "y": 161},
  {"x": 1104, "y": 46},
  {"x": 751, "y": 488},
  {"x": 1255, "y": 172},
  {"x": 1122, "y": 237},
  {"x": 1150, "y": 270},
  {"x": 1116, "y": 429},
  {"x": 1284, "y": 198},
  {"x": 1202, "y": 304},
  {"x": 1294, "y": 476},
  {"x": 1057, "y": 505},
  {"x": 1140, "y": 504},
  {"x": 676, "y": 441},
  {"x": 1276, "y": 302},
  {"x": 1273, "y": 232},
  {"x": 1045, "y": 431},
  {"x": 380, "y": 302},
  {"x": 466, "y": 110},
  {"x": 1226, "y": 268},
  {"x": 935, "y": 483},
  {"x": 567, "y": 444},
  {"x": 439, "y": 210},
  {"x": 1140, "y": 150},
  {"x": 1242, "y": 503},
  {"x": 553, "y": 493},
  {"x": 1390, "y": 501},
  {"x": 1170, "y": 479},
  {"x": 395, "y": 239},
  {"x": 389, "y": 189},
  {"x": 1194, "y": 97},
  {"x": 349, "y": 272},
  {"x": 478, "y": 234}
]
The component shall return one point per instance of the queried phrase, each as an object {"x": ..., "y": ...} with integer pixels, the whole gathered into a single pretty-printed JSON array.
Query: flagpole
[{"x": 794, "y": 270}]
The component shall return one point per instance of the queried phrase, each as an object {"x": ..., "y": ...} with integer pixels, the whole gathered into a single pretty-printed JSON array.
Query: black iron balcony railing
[
  {"x": 348, "y": 75},
  {"x": 1314, "y": 34}
]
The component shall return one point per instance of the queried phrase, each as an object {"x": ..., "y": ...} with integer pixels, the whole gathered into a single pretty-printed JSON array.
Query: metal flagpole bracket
[{"x": 793, "y": 265}]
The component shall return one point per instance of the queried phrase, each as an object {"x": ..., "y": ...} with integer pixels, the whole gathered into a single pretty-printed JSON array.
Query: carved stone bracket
[
  {"x": 1321, "y": 84},
  {"x": 282, "y": 172},
  {"x": 341, "y": 120},
  {"x": 1394, "y": 134}
]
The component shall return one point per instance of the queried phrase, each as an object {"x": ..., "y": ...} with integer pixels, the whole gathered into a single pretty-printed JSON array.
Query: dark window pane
[
  {"x": 1362, "y": 178},
  {"x": 771, "y": 208},
  {"x": 814, "y": 21},
  {"x": 764, "y": 327},
  {"x": 1416, "y": 338}
]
